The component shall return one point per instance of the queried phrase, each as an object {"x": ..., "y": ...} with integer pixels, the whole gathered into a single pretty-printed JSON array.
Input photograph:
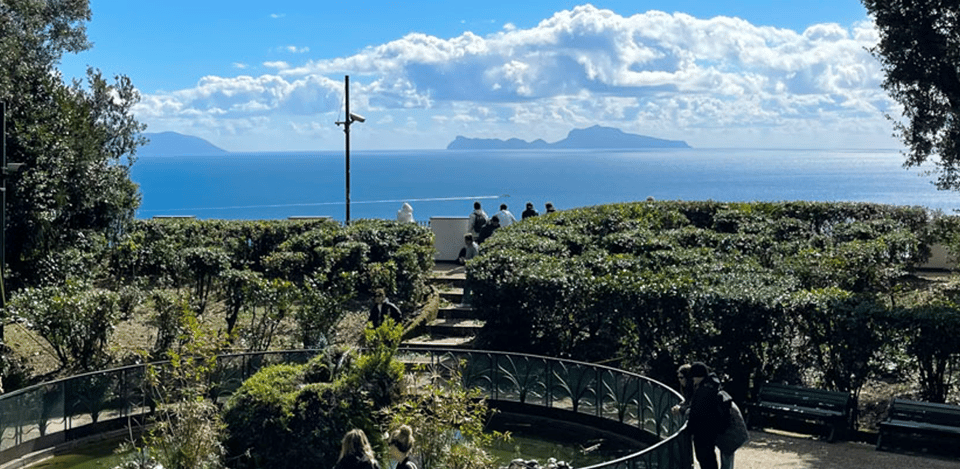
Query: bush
[
  {"x": 738, "y": 285},
  {"x": 292, "y": 416},
  {"x": 75, "y": 319}
]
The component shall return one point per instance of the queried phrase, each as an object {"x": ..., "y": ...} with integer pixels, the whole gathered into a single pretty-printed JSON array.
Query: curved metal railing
[{"x": 52, "y": 413}]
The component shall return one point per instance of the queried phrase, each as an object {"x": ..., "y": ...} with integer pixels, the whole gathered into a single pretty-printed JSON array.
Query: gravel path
[{"x": 768, "y": 450}]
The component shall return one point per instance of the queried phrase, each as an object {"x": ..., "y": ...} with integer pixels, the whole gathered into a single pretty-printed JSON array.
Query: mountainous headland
[
  {"x": 595, "y": 137},
  {"x": 174, "y": 144}
]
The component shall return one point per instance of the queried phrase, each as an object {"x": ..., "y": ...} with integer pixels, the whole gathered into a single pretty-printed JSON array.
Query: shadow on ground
[{"x": 775, "y": 450}]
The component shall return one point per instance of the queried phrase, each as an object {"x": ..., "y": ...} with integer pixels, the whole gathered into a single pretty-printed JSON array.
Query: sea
[{"x": 445, "y": 183}]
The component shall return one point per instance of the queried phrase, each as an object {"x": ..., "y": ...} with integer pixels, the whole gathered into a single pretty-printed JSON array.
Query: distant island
[
  {"x": 174, "y": 144},
  {"x": 595, "y": 137}
]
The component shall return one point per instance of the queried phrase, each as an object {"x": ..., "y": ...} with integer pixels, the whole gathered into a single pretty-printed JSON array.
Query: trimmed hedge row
[
  {"x": 762, "y": 291},
  {"x": 382, "y": 254}
]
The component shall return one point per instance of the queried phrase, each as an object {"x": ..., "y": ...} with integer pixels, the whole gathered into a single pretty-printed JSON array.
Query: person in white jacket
[{"x": 506, "y": 218}]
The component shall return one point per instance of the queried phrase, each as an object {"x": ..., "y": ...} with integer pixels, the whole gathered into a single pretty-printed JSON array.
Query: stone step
[
  {"x": 455, "y": 327},
  {"x": 452, "y": 294},
  {"x": 454, "y": 281},
  {"x": 439, "y": 342},
  {"x": 457, "y": 312}
]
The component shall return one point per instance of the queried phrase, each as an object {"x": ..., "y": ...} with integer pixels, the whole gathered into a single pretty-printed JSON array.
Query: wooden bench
[
  {"x": 924, "y": 420},
  {"x": 833, "y": 409}
]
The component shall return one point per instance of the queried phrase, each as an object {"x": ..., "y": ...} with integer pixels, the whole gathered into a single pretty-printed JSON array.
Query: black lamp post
[
  {"x": 351, "y": 118},
  {"x": 7, "y": 169}
]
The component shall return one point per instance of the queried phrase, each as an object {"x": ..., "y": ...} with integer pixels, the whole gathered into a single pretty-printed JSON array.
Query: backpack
[{"x": 479, "y": 221}]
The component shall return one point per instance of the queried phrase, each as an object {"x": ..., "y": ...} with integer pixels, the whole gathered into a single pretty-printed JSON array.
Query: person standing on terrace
[{"x": 478, "y": 218}]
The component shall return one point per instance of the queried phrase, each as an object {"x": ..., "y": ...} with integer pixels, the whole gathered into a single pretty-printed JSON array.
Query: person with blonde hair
[
  {"x": 401, "y": 442},
  {"x": 356, "y": 453}
]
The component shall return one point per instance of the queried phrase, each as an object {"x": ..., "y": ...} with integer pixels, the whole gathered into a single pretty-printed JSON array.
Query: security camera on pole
[{"x": 351, "y": 118}]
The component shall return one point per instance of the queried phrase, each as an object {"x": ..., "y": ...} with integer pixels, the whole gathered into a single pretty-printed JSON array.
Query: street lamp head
[{"x": 357, "y": 117}]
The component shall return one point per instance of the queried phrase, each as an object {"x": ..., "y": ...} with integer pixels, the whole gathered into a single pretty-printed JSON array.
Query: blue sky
[{"x": 252, "y": 76}]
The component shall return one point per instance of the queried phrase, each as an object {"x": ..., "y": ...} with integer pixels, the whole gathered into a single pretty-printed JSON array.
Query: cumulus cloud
[{"x": 580, "y": 66}]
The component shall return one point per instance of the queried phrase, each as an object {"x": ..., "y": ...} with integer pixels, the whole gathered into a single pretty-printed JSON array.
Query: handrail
[{"x": 52, "y": 413}]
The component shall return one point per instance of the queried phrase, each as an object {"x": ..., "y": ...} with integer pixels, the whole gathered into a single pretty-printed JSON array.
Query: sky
[{"x": 269, "y": 76}]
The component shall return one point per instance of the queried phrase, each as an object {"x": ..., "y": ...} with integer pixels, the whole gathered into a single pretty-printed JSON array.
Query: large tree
[
  {"x": 77, "y": 140},
  {"x": 919, "y": 49}
]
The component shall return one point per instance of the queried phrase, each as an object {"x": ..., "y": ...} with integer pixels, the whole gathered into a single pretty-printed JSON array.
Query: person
[
  {"x": 488, "y": 229},
  {"x": 506, "y": 218},
  {"x": 706, "y": 417},
  {"x": 382, "y": 309},
  {"x": 549, "y": 208},
  {"x": 686, "y": 389},
  {"x": 400, "y": 443},
  {"x": 478, "y": 218},
  {"x": 529, "y": 212},
  {"x": 405, "y": 214},
  {"x": 356, "y": 453},
  {"x": 469, "y": 251}
]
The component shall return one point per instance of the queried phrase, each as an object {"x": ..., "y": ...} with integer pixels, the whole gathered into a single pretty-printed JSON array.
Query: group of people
[
  {"x": 356, "y": 452},
  {"x": 713, "y": 418},
  {"x": 482, "y": 227}
]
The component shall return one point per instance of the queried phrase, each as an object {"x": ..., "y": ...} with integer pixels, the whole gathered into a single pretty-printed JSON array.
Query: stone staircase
[{"x": 455, "y": 325}]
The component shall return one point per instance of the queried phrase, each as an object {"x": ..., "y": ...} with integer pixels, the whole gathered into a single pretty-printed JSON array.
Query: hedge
[{"x": 786, "y": 291}]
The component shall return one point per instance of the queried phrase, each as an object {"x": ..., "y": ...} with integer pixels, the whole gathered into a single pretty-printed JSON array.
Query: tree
[
  {"x": 919, "y": 50},
  {"x": 78, "y": 142}
]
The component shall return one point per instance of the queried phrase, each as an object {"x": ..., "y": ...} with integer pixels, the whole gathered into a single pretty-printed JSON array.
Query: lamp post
[
  {"x": 350, "y": 119},
  {"x": 7, "y": 169}
]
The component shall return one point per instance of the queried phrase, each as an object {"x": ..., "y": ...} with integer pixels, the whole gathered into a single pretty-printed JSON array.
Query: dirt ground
[{"x": 769, "y": 450}]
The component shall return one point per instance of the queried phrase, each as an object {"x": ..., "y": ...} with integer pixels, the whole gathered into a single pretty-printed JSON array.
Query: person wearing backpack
[{"x": 478, "y": 219}]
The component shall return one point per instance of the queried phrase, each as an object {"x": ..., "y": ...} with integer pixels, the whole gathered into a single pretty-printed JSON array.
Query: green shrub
[
  {"x": 292, "y": 416},
  {"x": 659, "y": 283},
  {"x": 75, "y": 319}
]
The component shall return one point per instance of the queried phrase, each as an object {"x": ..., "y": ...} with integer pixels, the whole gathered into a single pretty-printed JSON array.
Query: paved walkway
[{"x": 768, "y": 450}]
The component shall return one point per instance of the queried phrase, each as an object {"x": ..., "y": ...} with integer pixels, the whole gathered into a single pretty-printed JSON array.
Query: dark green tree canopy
[
  {"x": 77, "y": 140},
  {"x": 919, "y": 49}
]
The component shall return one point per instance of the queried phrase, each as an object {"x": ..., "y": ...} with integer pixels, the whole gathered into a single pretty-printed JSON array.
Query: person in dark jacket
[
  {"x": 488, "y": 229},
  {"x": 382, "y": 309},
  {"x": 356, "y": 453},
  {"x": 706, "y": 417},
  {"x": 529, "y": 212}
]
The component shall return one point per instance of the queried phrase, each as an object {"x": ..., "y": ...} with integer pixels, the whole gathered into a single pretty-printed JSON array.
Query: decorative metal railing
[{"x": 52, "y": 413}]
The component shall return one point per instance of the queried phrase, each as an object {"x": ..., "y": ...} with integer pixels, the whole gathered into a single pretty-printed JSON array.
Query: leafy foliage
[
  {"x": 919, "y": 50},
  {"x": 295, "y": 415},
  {"x": 448, "y": 421},
  {"x": 75, "y": 319},
  {"x": 741, "y": 285},
  {"x": 77, "y": 141}
]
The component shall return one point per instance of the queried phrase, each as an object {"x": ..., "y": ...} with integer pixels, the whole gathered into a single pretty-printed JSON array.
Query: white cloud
[
  {"x": 279, "y": 65},
  {"x": 669, "y": 73}
]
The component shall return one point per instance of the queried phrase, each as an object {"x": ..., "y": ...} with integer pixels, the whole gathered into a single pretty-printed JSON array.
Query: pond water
[
  {"x": 541, "y": 439},
  {"x": 94, "y": 455}
]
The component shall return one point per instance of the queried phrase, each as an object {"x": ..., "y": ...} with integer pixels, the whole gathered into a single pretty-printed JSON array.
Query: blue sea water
[{"x": 445, "y": 183}]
